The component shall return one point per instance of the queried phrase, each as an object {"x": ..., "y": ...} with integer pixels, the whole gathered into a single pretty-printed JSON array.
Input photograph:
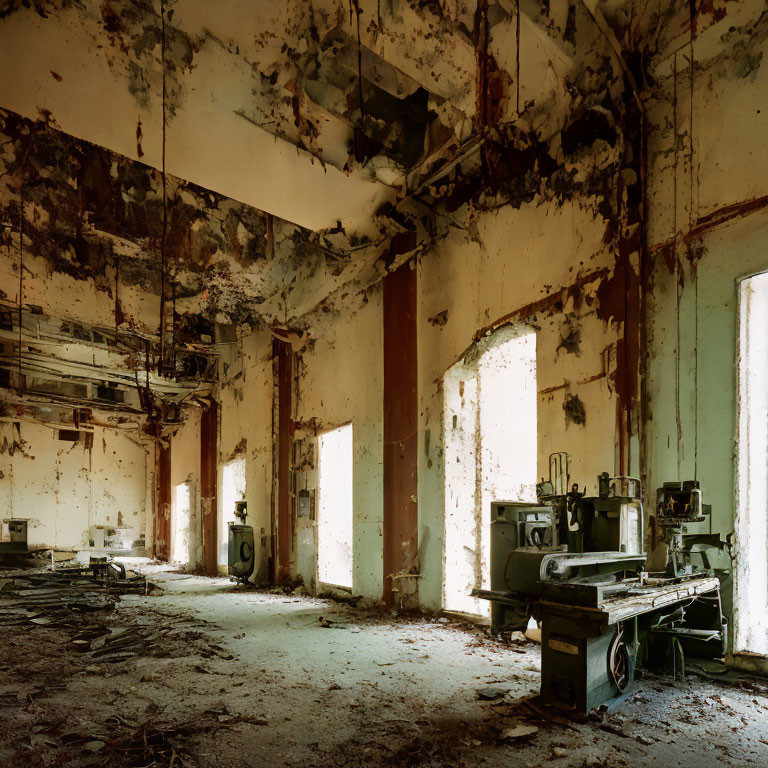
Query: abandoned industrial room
[{"x": 383, "y": 383}]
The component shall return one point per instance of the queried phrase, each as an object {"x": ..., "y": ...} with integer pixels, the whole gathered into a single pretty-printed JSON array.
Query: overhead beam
[{"x": 66, "y": 66}]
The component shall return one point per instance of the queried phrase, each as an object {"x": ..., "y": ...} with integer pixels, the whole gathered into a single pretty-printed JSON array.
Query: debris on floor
[
  {"x": 41, "y": 597},
  {"x": 200, "y": 675}
]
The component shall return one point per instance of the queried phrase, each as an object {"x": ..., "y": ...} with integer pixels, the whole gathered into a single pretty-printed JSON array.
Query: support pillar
[
  {"x": 209, "y": 464},
  {"x": 401, "y": 411},
  {"x": 283, "y": 357},
  {"x": 162, "y": 540}
]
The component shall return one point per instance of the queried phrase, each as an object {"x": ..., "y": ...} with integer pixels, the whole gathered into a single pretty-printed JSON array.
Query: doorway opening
[
  {"x": 182, "y": 523},
  {"x": 232, "y": 490},
  {"x": 490, "y": 455},
  {"x": 334, "y": 507},
  {"x": 751, "y": 572}
]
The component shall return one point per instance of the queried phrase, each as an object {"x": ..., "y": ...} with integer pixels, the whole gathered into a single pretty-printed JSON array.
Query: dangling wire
[
  {"x": 359, "y": 63},
  {"x": 517, "y": 56},
  {"x": 359, "y": 136},
  {"x": 160, "y": 361},
  {"x": 21, "y": 284}
]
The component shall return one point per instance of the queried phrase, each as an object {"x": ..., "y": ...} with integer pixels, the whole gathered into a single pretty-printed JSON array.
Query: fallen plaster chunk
[
  {"x": 331, "y": 624},
  {"x": 519, "y": 731},
  {"x": 533, "y": 634},
  {"x": 491, "y": 692}
]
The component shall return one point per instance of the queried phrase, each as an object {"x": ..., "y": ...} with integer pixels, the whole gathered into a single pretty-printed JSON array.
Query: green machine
[
  {"x": 576, "y": 564},
  {"x": 240, "y": 551}
]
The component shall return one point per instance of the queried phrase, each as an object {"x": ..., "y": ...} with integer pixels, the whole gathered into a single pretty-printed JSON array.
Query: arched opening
[{"x": 490, "y": 428}]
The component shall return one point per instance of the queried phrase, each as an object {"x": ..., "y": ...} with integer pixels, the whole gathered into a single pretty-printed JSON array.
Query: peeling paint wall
[
  {"x": 707, "y": 165},
  {"x": 245, "y": 399},
  {"x": 92, "y": 224},
  {"x": 510, "y": 149},
  {"x": 228, "y": 74},
  {"x": 519, "y": 257},
  {"x": 64, "y": 487},
  {"x": 526, "y": 231},
  {"x": 708, "y": 228},
  {"x": 185, "y": 468},
  {"x": 340, "y": 379}
]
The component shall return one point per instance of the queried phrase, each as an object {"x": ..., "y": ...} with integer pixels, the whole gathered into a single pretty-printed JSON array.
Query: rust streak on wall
[
  {"x": 209, "y": 454},
  {"x": 712, "y": 221},
  {"x": 620, "y": 298},
  {"x": 400, "y": 437},
  {"x": 724, "y": 214},
  {"x": 550, "y": 301},
  {"x": 282, "y": 351},
  {"x": 162, "y": 539}
]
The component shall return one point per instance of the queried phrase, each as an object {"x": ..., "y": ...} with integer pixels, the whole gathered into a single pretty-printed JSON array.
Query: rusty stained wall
[
  {"x": 528, "y": 231},
  {"x": 340, "y": 380},
  {"x": 519, "y": 265},
  {"x": 539, "y": 264},
  {"x": 245, "y": 415},
  {"x": 64, "y": 487},
  {"x": 547, "y": 256},
  {"x": 92, "y": 223},
  {"x": 708, "y": 217},
  {"x": 185, "y": 468}
]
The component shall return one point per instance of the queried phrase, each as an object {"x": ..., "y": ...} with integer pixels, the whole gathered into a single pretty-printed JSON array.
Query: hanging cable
[
  {"x": 678, "y": 420},
  {"x": 20, "y": 387},
  {"x": 161, "y": 358},
  {"x": 359, "y": 145},
  {"x": 359, "y": 63},
  {"x": 517, "y": 56},
  {"x": 694, "y": 268}
]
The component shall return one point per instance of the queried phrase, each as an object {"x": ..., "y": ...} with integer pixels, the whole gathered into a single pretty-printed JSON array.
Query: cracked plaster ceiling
[{"x": 274, "y": 201}]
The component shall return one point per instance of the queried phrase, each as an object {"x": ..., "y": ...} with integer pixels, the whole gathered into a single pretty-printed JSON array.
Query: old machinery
[
  {"x": 566, "y": 535},
  {"x": 576, "y": 564},
  {"x": 699, "y": 628},
  {"x": 240, "y": 551},
  {"x": 677, "y": 506}
]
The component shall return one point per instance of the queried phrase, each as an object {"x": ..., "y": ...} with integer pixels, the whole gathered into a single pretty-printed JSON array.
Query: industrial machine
[
  {"x": 698, "y": 628},
  {"x": 241, "y": 552},
  {"x": 576, "y": 564}
]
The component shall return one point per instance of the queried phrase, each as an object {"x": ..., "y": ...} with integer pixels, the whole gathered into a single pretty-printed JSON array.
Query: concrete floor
[{"x": 255, "y": 679}]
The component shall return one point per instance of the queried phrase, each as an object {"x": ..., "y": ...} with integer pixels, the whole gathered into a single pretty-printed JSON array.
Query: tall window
[
  {"x": 233, "y": 489},
  {"x": 181, "y": 515},
  {"x": 751, "y": 577},
  {"x": 334, "y": 508}
]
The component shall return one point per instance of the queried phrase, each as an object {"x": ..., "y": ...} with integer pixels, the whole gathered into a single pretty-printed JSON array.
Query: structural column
[
  {"x": 209, "y": 463},
  {"x": 283, "y": 530},
  {"x": 162, "y": 539},
  {"x": 401, "y": 410}
]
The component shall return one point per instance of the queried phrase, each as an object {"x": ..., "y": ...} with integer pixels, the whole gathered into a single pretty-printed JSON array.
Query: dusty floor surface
[{"x": 244, "y": 678}]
